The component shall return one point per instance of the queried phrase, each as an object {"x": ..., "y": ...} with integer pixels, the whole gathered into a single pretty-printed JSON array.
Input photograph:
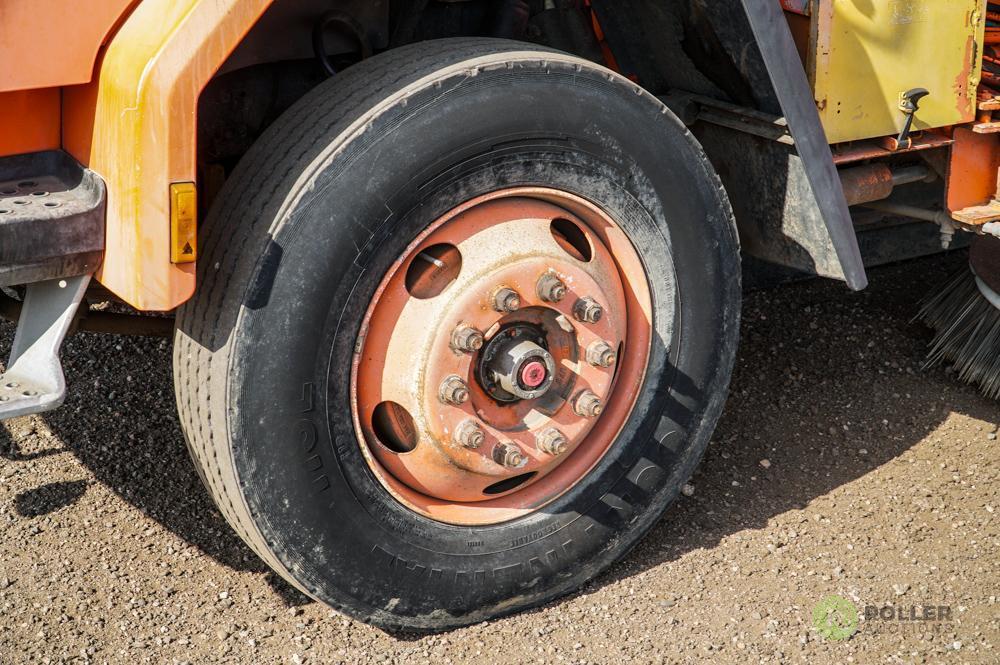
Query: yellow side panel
[{"x": 869, "y": 51}]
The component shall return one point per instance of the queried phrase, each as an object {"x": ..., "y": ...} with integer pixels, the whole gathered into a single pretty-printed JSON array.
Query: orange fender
[{"x": 135, "y": 124}]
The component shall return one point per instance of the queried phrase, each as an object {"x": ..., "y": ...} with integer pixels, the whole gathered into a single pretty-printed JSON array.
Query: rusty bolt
[
  {"x": 509, "y": 455},
  {"x": 506, "y": 300},
  {"x": 588, "y": 405},
  {"x": 454, "y": 391},
  {"x": 552, "y": 442},
  {"x": 469, "y": 434},
  {"x": 550, "y": 288},
  {"x": 467, "y": 338},
  {"x": 600, "y": 354},
  {"x": 588, "y": 310}
]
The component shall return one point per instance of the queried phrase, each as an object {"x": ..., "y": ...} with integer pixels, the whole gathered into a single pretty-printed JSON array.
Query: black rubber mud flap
[{"x": 791, "y": 86}]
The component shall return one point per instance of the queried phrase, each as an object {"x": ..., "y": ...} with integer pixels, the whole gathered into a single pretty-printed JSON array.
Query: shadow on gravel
[
  {"x": 120, "y": 421},
  {"x": 828, "y": 387},
  {"x": 49, "y": 498},
  {"x": 11, "y": 451},
  {"x": 819, "y": 370}
]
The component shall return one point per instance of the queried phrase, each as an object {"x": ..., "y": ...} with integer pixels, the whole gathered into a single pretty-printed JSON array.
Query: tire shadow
[
  {"x": 120, "y": 421},
  {"x": 829, "y": 386},
  {"x": 814, "y": 358}
]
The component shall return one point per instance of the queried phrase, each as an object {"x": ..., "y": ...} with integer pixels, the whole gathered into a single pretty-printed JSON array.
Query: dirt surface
[{"x": 839, "y": 468}]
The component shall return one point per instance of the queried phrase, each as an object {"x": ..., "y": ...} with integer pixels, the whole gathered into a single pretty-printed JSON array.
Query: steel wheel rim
[{"x": 413, "y": 429}]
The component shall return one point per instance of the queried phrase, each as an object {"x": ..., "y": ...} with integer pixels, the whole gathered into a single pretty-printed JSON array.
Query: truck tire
[{"x": 465, "y": 323}]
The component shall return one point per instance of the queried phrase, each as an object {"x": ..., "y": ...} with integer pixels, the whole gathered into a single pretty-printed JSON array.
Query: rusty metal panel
[{"x": 869, "y": 52}]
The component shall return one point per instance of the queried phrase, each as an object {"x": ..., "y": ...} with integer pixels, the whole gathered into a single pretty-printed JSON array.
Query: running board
[{"x": 34, "y": 380}]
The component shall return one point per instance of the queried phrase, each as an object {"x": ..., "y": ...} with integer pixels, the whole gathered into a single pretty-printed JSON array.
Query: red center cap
[{"x": 532, "y": 374}]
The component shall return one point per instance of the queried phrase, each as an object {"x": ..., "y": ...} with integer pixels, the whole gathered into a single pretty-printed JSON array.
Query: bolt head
[
  {"x": 588, "y": 310},
  {"x": 454, "y": 391},
  {"x": 467, "y": 339},
  {"x": 470, "y": 435},
  {"x": 509, "y": 455},
  {"x": 588, "y": 405},
  {"x": 552, "y": 442},
  {"x": 550, "y": 288},
  {"x": 506, "y": 300},
  {"x": 600, "y": 354}
]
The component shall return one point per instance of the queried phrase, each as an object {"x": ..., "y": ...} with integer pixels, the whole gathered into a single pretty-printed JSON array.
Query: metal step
[
  {"x": 51, "y": 218},
  {"x": 51, "y": 239},
  {"x": 33, "y": 381}
]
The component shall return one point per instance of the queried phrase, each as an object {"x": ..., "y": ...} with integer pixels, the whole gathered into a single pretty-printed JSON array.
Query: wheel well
[{"x": 277, "y": 62}]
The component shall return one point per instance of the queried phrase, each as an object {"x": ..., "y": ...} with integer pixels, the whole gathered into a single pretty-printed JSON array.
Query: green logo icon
[{"x": 835, "y": 618}]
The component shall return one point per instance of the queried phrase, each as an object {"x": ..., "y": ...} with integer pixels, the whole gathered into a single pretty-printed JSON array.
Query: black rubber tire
[{"x": 298, "y": 241}]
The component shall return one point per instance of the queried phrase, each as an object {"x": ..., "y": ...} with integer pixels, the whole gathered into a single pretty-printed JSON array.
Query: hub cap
[{"x": 477, "y": 393}]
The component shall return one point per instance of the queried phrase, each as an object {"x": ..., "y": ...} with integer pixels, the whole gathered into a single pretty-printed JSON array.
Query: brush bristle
[{"x": 967, "y": 332}]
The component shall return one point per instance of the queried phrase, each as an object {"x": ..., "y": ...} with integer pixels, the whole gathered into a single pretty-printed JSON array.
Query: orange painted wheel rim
[{"x": 479, "y": 395}]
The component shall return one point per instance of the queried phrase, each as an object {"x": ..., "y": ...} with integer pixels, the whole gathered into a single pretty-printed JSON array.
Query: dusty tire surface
[{"x": 298, "y": 240}]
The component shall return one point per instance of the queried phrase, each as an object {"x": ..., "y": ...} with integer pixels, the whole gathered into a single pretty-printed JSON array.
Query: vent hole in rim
[
  {"x": 432, "y": 270},
  {"x": 618, "y": 359},
  {"x": 507, "y": 484},
  {"x": 394, "y": 427},
  {"x": 572, "y": 239}
]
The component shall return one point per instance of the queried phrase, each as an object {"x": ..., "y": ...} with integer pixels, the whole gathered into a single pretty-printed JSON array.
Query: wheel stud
[
  {"x": 588, "y": 310},
  {"x": 588, "y": 405},
  {"x": 600, "y": 354},
  {"x": 467, "y": 338},
  {"x": 550, "y": 288},
  {"x": 469, "y": 434},
  {"x": 509, "y": 455},
  {"x": 506, "y": 300},
  {"x": 454, "y": 391},
  {"x": 552, "y": 442}
]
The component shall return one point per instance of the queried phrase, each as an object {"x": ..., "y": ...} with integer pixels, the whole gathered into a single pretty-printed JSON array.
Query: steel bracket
[{"x": 33, "y": 381}]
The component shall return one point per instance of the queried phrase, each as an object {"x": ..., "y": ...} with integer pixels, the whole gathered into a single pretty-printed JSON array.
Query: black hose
[{"x": 343, "y": 20}]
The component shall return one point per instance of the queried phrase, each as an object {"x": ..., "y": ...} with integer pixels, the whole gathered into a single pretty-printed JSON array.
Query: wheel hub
[
  {"x": 501, "y": 355},
  {"x": 516, "y": 365}
]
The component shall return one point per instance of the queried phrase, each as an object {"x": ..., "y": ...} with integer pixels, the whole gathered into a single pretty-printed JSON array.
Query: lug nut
[
  {"x": 467, "y": 338},
  {"x": 552, "y": 442},
  {"x": 550, "y": 288},
  {"x": 509, "y": 455},
  {"x": 588, "y": 310},
  {"x": 600, "y": 354},
  {"x": 469, "y": 434},
  {"x": 454, "y": 391},
  {"x": 506, "y": 300},
  {"x": 588, "y": 405}
]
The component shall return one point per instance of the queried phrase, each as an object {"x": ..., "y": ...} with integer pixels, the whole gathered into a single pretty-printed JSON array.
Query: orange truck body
[{"x": 115, "y": 83}]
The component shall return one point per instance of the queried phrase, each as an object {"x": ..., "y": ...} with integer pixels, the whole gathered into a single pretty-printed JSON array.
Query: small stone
[
  {"x": 766, "y": 463},
  {"x": 900, "y": 589},
  {"x": 992, "y": 436},
  {"x": 687, "y": 489}
]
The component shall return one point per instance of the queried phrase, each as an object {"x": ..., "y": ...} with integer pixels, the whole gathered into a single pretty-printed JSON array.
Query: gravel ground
[{"x": 839, "y": 468}]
